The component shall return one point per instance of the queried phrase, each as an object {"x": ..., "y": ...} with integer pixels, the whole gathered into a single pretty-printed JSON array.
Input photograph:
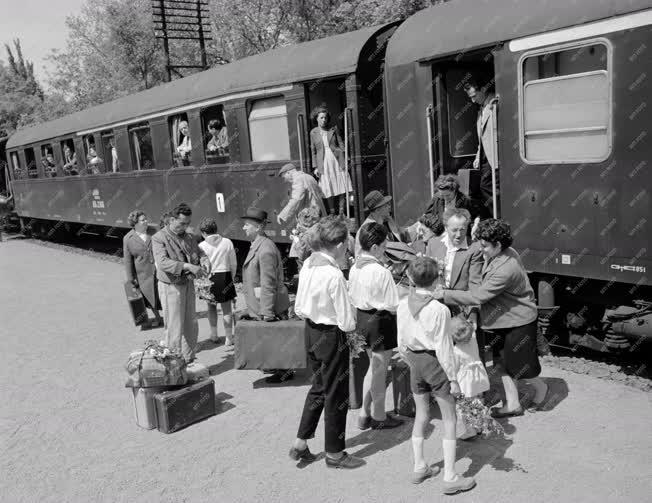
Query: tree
[{"x": 111, "y": 51}]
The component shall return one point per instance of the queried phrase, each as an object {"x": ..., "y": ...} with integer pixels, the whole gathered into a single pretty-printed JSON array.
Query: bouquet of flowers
[
  {"x": 155, "y": 365},
  {"x": 477, "y": 415},
  {"x": 356, "y": 342},
  {"x": 203, "y": 290}
]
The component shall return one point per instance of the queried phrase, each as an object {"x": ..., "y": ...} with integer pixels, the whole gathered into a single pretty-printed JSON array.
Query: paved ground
[{"x": 68, "y": 433}]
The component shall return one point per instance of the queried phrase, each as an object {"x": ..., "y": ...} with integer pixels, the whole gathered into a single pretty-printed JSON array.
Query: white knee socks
[
  {"x": 417, "y": 448},
  {"x": 448, "y": 447}
]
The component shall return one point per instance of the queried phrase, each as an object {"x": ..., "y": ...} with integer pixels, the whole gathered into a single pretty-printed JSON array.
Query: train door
[
  {"x": 332, "y": 95},
  {"x": 454, "y": 124}
]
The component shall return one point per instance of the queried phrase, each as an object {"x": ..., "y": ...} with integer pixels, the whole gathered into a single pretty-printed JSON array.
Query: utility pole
[{"x": 182, "y": 20}]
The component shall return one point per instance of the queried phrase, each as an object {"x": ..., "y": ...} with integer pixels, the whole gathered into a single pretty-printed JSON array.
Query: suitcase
[
  {"x": 270, "y": 345},
  {"x": 136, "y": 303},
  {"x": 183, "y": 407},
  {"x": 144, "y": 406},
  {"x": 358, "y": 368},
  {"x": 403, "y": 401}
]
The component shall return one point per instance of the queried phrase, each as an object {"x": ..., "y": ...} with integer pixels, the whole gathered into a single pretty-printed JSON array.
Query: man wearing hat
[
  {"x": 262, "y": 276},
  {"x": 305, "y": 193},
  {"x": 379, "y": 209}
]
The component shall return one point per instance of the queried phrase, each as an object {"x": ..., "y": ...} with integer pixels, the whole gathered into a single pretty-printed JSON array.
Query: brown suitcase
[
  {"x": 270, "y": 345},
  {"x": 183, "y": 407},
  {"x": 136, "y": 304}
]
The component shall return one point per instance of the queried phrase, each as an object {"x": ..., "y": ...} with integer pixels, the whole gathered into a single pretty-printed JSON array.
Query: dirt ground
[{"x": 68, "y": 432}]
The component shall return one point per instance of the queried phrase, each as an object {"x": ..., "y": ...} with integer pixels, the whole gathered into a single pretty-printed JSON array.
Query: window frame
[
  {"x": 204, "y": 134},
  {"x": 57, "y": 168},
  {"x": 36, "y": 167},
  {"x": 131, "y": 129},
  {"x": 16, "y": 165},
  {"x": 521, "y": 95},
  {"x": 250, "y": 109},
  {"x": 62, "y": 143}
]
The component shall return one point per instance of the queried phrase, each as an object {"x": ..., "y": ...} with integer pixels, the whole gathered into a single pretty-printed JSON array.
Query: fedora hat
[
  {"x": 286, "y": 167},
  {"x": 256, "y": 215},
  {"x": 375, "y": 200}
]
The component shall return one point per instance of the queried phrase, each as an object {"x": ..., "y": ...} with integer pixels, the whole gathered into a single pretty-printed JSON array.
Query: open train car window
[
  {"x": 140, "y": 141},
  {"x": 19, "y": 173},
  {"x": 30, "y": 159},
  {"x": 268, "y": 130},
  {"x": 48, "y": 162},
  {"x": 112, "y": 161},
  {"x": 180, "y": 140},
  {"x": 565, "y": 101},
  {"x": 70, "y": 163},
  {"x": 94, "y": 163},
  {"x": 216, "y": 136}
]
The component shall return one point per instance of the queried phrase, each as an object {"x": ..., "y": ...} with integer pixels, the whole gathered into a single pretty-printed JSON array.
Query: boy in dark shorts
[{"x": 425, "y": 342}]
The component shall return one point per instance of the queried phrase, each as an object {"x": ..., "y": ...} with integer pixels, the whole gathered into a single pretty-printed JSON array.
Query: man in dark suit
[
  {"x": 262, "y": 276},
  {"x": 461, "y": 262}
]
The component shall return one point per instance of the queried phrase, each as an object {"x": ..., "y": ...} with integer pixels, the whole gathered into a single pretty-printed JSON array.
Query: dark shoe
[
  {"x": 346, "y": 462},
  {"x": 304, "y": 455},
  {"x": 458, "y": 485},
  {"x": 385, "y": 424},
  {"x": 364, "y": 423},
  {"x": 497, "y": 413},
  {"x": 420, "y": 476},
  {"x": 280, "y": 377}
]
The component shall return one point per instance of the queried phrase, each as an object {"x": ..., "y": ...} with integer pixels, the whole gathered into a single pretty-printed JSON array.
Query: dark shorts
[
  {"x": 426, "y": 374},
  {"x": 519, "y": 347},
  {"x": 378, "y": 328},
  {"x": 223, "y": 288}
]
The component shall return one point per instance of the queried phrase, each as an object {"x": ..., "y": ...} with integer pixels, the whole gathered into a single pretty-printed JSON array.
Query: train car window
[
  {"x": 110, "y": 152},
  {"x": 216, "y": 136},
  {"x": 268, "y": 130},
  {"x": 566, "y": 105},
  {"x": 70, "y": 164},
  {"x": 180, "y": 140},
  {"x": 48, "y": 162},
  {"x": 19, "y": 173},
  {"x": 94, "y": 163},
  {"x": 30, "y": 159},
  {"x": 141, "y": 146}
]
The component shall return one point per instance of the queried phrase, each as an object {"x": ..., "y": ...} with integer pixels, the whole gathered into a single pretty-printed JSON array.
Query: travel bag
[
  {"x": 182, "y": 407},
  {"x": 270, "y": 345},
  {"x": 136, "y": 303}
]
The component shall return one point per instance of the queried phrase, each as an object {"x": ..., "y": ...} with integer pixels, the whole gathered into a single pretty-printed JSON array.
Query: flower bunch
[
  {"x": 203, "y": 290},
  {"x": 477, "y": 415},
  {"x": 159, "y": 350},
  {"x": 357, "y": 343}
]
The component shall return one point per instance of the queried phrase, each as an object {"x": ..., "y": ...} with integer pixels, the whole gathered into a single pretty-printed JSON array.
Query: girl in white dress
[
  {"x": 328, "y": 160},
  {"x": 471, "y": 374}
]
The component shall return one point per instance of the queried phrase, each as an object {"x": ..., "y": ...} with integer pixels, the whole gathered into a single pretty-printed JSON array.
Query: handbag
[
  {"x": 155, "y": 365},
  {"x": 136, "y": 303},
  {"x": 399, "y": 255}
]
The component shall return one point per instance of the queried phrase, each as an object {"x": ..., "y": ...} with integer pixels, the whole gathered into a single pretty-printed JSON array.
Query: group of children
[{"x": 441, "y": 352}]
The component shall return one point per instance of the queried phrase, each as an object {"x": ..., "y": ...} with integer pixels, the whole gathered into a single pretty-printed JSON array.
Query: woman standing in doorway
[{"x": 327, "y": 150}]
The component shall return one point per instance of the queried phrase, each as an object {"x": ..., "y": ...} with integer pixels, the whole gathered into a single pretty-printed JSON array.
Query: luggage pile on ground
[{"x": 167, "y": 393}]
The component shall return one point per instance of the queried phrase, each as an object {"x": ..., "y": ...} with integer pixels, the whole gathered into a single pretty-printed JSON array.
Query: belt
[
  {"x": 419, "y": 351},
  {"x": 320, "y": 326}
]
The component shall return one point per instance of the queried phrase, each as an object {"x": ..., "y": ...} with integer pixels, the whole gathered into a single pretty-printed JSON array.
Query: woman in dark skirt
[
  {"x": 508, "y": 311},
  {"x": 221, "y": 253},
  {"x": 375, "y": 296},
  {"x": 139, "y": 264}
]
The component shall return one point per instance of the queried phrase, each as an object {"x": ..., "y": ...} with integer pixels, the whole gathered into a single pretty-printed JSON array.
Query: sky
[{"x": 40, "y": 25}]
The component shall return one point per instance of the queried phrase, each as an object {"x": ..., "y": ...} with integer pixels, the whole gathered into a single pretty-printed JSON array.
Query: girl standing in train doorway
[{"x": 327, "y": 150}]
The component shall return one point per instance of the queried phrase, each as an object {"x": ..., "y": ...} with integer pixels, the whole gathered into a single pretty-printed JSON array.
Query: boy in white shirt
[
  {"x": 323, "y": 301},
  {"x": 375, "y": 296},
  {"x": 426, "y": 345}
]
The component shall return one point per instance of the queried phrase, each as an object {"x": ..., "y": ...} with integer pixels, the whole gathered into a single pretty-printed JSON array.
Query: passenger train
[{"x": 571, "y": 137}]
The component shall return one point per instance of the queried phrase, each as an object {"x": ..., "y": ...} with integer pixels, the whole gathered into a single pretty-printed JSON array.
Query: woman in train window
[
  {"x": 70, "y": 161},
  {"x": 139, "y": 264},
  {"x": 327, "y": 150},
  {"x": 508, "y": 311},
  {"x": 219, "y": 142},
  {"x": 185, "y": 148}
]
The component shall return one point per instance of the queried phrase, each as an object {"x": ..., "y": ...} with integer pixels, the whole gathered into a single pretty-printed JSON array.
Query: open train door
[{"x": 453, "y": 124}]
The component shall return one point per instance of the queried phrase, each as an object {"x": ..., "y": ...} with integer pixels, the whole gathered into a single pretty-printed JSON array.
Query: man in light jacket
[
  {"x": 177, "y": 257},
  {"x": 305, "y": 193}
]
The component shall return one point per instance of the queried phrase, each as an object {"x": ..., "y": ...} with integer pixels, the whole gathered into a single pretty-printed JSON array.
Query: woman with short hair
[
  {"x": 508, "y": 310},
  {"x": 139, "y": 263}
]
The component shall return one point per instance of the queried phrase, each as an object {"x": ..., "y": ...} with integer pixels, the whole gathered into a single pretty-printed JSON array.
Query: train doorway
[{"x": 456, "y": 120}]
